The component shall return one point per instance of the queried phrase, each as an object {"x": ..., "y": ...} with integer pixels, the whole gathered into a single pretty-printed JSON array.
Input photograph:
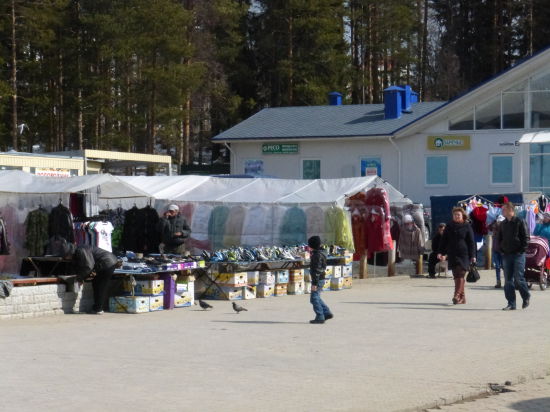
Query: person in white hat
[{"x": 173, "y": 230}]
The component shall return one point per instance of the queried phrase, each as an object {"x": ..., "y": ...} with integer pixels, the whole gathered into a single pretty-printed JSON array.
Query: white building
[{"x": 468, "y": 145}]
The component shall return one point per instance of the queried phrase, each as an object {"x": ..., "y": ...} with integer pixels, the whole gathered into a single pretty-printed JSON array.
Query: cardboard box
[
  {"x": 296, "y": 288},
  {"x": 307, "y": 287},
  {"x": 249, "y": 292},
  {"x": 348, "y": 257},
  {"x": 184, "y": 300},
  {"x": 265, "y": 291},
  {"x": 129, "y": 304},
  {"x": 185, "y": 286},
  {"x": 347, "y": 270},
  {"x": 329, "y": 271},
  {"x": 267, "y": 278},
  {"x": 253, "y": 277},
  {"x": 296, "y": 275},
  {"x": 281, "y": 289},
  {"x": 348, "y": 280},
  {"x": 324, "y": 284},
  {"x": 224, "y": 292},
  {"x": 231, "y": 279},
  {"x": 156, "y": 303},
  {"x": 307, "y": 275},
  {"x": 281, "y": 276},
  {"x": 337, "y": 271},
  {"x": 144, "y": 287},
  {"x": 336, "y": 283}
]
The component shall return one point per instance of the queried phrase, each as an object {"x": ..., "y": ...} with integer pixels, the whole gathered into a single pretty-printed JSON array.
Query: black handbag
[{"x": 473, "y": 274}]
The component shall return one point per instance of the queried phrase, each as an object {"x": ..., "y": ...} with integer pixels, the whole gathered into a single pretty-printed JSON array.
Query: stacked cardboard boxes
[{"x": 139, "y": 296}]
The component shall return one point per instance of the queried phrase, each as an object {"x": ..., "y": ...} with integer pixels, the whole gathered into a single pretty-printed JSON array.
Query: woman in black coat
[{"x": 459, "y": 247}]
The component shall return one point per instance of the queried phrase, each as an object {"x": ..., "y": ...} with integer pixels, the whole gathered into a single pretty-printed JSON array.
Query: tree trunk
[
  {"x": 13, "y": 80},
  {"x": 187, "y": 129},
  {"x": 290, "y": 62},
  {"x": 60, "y": 115},
  {"x": 424, "y": 53}
]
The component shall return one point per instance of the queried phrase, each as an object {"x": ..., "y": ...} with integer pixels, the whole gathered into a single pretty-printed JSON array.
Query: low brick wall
[{"x": 45, "y": 300}]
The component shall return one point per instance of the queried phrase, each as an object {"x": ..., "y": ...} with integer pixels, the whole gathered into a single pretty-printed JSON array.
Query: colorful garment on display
[
  {"x": 36, "y": 232},
  {"x": 377, "y": 223},
  {"x": 338, "y": 228},
  {"x": 293, "y": 231},
  {"x": 61, "y": 223},
  {"x": 479, "y": 220}
]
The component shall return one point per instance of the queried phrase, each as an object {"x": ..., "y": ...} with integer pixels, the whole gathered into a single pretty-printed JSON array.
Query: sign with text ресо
[{"x": 280, "y": 148}]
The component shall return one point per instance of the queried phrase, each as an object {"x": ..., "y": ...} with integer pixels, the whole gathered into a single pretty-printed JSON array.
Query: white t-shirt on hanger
[{"x": 104, "y": 230}]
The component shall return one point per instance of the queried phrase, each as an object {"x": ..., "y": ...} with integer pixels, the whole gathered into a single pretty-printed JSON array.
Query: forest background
[{"x": 164, "y": 76}]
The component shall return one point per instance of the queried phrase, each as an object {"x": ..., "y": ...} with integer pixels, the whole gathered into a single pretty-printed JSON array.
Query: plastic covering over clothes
[
  {"x": 338, "y": 228},
  {"x": 293, "y": 231}
]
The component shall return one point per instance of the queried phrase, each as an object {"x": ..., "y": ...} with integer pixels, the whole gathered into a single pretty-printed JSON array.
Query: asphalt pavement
[{"x": 394, "y": 344}]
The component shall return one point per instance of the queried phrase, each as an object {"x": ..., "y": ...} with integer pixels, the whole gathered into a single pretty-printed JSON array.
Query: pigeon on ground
[
  {"x": 238, "y": 308},
  {"x": 204, "y": 305}
]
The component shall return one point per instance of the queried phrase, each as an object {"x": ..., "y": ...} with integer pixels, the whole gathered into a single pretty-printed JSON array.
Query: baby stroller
[{"x": 535, "y": 262}]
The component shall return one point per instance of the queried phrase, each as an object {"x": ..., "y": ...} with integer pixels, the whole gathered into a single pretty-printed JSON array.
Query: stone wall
[{"x": 45, "y": 300}]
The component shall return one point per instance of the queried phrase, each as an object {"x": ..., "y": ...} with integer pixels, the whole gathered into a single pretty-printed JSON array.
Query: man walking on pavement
[{"x": 513, "y": 238}]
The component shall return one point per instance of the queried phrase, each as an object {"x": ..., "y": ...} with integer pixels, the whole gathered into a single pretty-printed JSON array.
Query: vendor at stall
[
  {"x": 90, "y": 262},
  {"x": 173, "y": 230}
]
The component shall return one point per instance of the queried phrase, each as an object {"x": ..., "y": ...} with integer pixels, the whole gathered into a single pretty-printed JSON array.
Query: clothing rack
[{"x": 467, "y": 200}]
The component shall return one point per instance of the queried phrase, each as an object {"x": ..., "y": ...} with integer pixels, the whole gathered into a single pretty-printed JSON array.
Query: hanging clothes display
[
  {"x": 4, "y": 243},
  {"x": 338, "y": 228},
  {"x": 315, "y": 222},
  {"x": 94, "y": 233},
  {"x": 377, "y": 223},
  {"x": 139, "y": 233},
  {"x": 293, "y": 231},
  {"x": 60, "y": 223},
  {"x": 411, "y": 243},
  {"x": 478, "y": 215},
  {"x": 36, "y": 232}
]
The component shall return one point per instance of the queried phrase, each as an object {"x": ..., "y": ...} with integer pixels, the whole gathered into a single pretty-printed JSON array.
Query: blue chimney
[
  {"x": 406, "y": 98},
  {"x": 392, "y": 102},
  {"x": 334, "y": 99}
]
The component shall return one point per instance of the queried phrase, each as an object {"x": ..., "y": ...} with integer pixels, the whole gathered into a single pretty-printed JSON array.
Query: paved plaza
[{"x": 395, "y": 344}]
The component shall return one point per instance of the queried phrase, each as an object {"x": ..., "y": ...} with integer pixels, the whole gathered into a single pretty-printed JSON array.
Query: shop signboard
[
  {"x": 449, "y": 142},
  {"x": 371, "y": 166},
  {"x": 280, "y": 148},
  {"x": 52, "y": 172}
]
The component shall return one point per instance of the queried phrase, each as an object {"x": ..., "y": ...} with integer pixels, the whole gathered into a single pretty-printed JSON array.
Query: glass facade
[
  {"x": 539, "y": 167},
  {"x": 525, "y": 105}
]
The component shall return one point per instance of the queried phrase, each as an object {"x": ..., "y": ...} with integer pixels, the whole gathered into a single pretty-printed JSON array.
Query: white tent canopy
[
  {"x": 106, "y": 186},
  {"x": 536, "y": 137},
  {"x": 204, "y": 189}
]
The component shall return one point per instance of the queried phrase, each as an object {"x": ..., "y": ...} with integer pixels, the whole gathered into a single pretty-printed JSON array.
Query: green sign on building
[{"x": 280, "y": 148}]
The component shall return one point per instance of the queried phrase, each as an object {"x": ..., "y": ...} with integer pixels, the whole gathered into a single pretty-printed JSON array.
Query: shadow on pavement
[
  {"x": 540, "y": 404},
  {"x": 406, "y": 305},
  {"x": 258, "y": 321}
]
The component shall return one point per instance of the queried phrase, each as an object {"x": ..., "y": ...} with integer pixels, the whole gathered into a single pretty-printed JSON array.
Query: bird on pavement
[
  {"x": 204, "y": 305},
  {"x": 238, "y": 308}
]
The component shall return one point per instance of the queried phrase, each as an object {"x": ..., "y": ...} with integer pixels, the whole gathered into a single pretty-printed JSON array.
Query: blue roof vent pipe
[
  {"x": 335, "y": 99},
  {"x": 392, "y": 102},
  {"x": 406, "y": 99}
]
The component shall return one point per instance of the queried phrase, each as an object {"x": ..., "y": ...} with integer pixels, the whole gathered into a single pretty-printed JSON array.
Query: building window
[
  {"x": 311, "y": 169},
  {"x": 539, "y": 168},
  {"x": 464, "y": 122},
  {"x": 540, "y": 109},
  {"x": 488, "y": 114},
  {"x": 436, "y": 170},
  {"x": 513, "y": 110},
  {"x": 502, "y": 169}
]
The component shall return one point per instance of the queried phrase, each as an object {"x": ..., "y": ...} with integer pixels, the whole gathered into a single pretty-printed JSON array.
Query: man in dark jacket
[
  {"x": 317, "y": 266},
  {"x": 436, "y": 245},
  {"x": 173, "y": 230},
  {"x": 513, "y": 238},
  {"x": 90, "y": 262}
]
